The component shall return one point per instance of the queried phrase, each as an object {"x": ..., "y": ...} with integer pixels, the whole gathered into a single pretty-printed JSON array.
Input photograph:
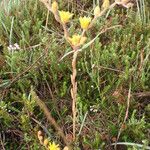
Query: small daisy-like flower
[
  {"x": 97, "y": 11},
  {"x": 77, "y": 40},
  {"x": 84, "y": 22},
  {"x": 65, "y": 16},
  {"x": 54, "y": 7},
  {"x": 53, "y": 146}
]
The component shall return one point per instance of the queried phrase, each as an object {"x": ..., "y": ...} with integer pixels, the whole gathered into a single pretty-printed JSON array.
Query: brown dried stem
[
  {"x": 50, "y": 118},
  {"x": 74, "y": 90}
]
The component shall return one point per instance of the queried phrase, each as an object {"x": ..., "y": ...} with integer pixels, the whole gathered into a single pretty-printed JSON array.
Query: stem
[
  {"x": 74, "y": 91},
  {"x": 50, "y": 118}
]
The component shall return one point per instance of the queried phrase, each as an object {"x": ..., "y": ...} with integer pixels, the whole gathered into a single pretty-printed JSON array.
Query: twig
[
  {"x": 47, "y": 17},
  {"x": 66, "y": 55},
  {"x": 108, "y": 68},
  {"x": 57, "y": 18},
  {"x": 82, "y": 124},
  {"x": 101, "y": 32},
  {"x": 47, "y": 4},
  {"x": 102, "y": 13},
  {"x": 50, "y": 118},
  {"x": 42, "y": 126},
  {"x": 53, "y": 99},
  {"x": 142, "y": 94},
  {"x": 131, "y": 144},
  {"x": 2, "y": 144},
  {"x": 74, "y": 90},
  {"x": 126, "y": 115}
]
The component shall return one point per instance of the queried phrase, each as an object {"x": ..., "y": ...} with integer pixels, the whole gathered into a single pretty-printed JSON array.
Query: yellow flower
[
  {"x": 105, "y": 4},
  {"x": 65, "y": 16},
  {"x": 84, "y": 22},
  {"x": 77, "y": 40},
  {"x": 54, "y": 7},
  {"x": 97, "y": 11},
  {"x": 53, "y": 146}
]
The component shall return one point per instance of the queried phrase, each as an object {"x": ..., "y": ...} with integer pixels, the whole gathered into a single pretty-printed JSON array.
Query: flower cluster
[
  {"x": 85, "y": 22},
  {"x": 13, "y": 47},
  {"x": 65, "y": 16}
]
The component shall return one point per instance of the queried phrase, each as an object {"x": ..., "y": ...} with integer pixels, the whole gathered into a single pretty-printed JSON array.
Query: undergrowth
[{"x": 112, "y": 69}]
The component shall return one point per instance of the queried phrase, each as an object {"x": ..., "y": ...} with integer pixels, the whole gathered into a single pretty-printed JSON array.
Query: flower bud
[
  {"x": 106, "y": 4},
  {"x": 54, "y": 7},
  {"x": 46, "y": 142},
  {"x": 97, "y": 11}
]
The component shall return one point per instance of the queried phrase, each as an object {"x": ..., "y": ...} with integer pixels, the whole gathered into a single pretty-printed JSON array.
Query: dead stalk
[
  {"x": 74, "y": 91},
  {"x": 50, "y": 118}
]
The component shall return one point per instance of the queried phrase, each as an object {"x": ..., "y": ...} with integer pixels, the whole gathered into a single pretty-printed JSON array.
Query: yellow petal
[
  {"x": 65, "y": 16},
  {"x": 84, "y": 22},
  {"x": 75, "y": 40},
  {"x": 54, "y": 146}
]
